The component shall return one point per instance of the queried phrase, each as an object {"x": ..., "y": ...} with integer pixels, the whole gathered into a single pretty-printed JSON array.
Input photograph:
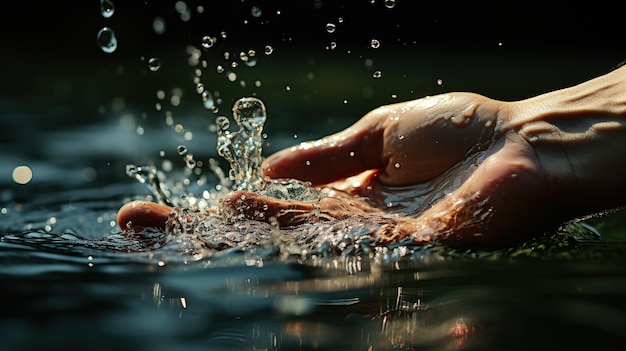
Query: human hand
[
  {"x": 456, "y": 152},
  {"x": 407, "y": 143},
  {"x": 481, "y": 171},
  {"x": 450, "y": 139}
]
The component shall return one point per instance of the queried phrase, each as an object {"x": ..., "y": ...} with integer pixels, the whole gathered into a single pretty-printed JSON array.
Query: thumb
[{"x": 352, "y": 151}]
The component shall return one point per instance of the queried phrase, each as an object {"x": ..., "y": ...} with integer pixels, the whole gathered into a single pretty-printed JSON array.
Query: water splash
[
  {"x": 243, "y": 150},
  {"x": 149, "y": 175}
]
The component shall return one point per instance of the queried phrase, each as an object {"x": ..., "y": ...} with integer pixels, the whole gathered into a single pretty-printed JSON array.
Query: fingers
[
  {"x": 347, "y": 153},
  {"x": 285, "y": 213},
  {"x": 140, "y": 215}
]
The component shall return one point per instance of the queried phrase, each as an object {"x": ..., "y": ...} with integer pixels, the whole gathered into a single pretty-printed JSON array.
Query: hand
[
  {"x": 454, "y": 139},
  {"x": 407, "y": 143},
  {"x": 485, "y": 179},
  {"x": 471, "y": 170}
]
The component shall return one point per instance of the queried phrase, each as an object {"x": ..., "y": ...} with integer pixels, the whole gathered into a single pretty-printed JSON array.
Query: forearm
[
  {"x": 579, "y": 135},
  {"x": 604, "y": 96}
]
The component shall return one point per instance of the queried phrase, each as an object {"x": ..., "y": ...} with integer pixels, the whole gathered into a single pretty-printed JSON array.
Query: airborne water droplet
[
  {"x": 390, "y": 4},
  {"x": 207, "y": 100},
  {"x": 154, "y": 64},
  {"x": 207, "y": 42},
  {"x": 107, "y": 40},
  {"x": 256, "y": 11},
  {"x": 268, "y": 49},
  {"x": 375, "y": 44},
  {"x": 107, "y": 8},
  {"x": 158, "y": 25},
  {"x": 330, "y": 27},
  {"x": 377, "y": 74},
  {"x": 222, "y": 123},
  {"x": 181, "y": 149}
]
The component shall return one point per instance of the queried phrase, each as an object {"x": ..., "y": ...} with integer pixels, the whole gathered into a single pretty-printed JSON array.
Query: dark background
[{"x": 55, "y": 77}]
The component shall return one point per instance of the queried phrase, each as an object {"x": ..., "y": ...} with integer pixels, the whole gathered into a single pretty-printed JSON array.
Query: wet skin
[{"x": 514, "y": 169}]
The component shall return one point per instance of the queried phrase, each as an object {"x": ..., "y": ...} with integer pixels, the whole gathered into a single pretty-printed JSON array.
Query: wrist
[{"x": 578, "y": 136}]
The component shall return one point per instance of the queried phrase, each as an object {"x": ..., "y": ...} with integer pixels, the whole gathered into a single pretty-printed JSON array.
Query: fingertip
[{"x": 139, "y": 215}]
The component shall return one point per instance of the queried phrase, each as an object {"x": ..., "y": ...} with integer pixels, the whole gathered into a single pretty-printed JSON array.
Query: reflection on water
[{"x": 433, "y": 300}]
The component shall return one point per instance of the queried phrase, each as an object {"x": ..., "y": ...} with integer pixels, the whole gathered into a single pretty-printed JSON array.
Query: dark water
[{"x": 76, "y": 116}]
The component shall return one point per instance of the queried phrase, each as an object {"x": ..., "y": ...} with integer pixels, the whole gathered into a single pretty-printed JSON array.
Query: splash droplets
[
  {"x": 256, "y": 11},
  {"x": 107, "y": 40},
  {"x": 154, "y": 64},
  {"x": 208, "y": 41},
  {"x": 107, "y": 8}
]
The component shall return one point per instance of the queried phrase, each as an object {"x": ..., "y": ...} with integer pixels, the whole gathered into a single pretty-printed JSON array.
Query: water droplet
[
  {"x": 250, "y": 114},
  {"x": 181, "y": 149},
  {"x": 199, "y": 88},
  {"x": 439, "y": 82},
  {"x": 154, "y": 64},
  {"x": 377, "y": 74},
  {"x": 268, "y": 49},
  {"x": 375, "y": 44},
  {"x": 256, "y": 11},
  {"x": 190, "y": 162},
  {"x": 107, "y": 8},
  {"x": 107, "y": 40},
  {"x": 390, "y": 4},
  {"x": 400, "y": 137},
  {"x": 222, "y": 123},
  {"x": 397, "y": 165},
  {"x": 207, "y": 100},
  {"x": 330, "y": 27},
  {"x": 158, "y": 25},
  {"x": 207, "y": 42}
]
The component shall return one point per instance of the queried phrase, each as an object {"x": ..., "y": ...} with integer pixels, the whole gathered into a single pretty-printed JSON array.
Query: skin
[{"x": 516, "y": 168}]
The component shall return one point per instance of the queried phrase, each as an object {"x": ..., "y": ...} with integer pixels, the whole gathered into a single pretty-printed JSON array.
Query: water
[
  {"x": 72, "y": 123},
  {"x": 70, "y": 288}
]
